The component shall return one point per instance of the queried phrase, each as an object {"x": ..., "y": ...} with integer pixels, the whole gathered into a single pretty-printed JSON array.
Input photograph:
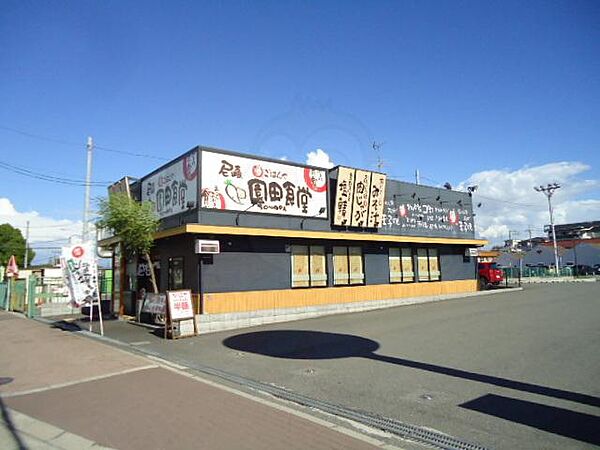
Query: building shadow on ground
[
  {"x": 302, "y": 344},
  {"x": 7, "y": 419},
  {"x": 571, "y": 424}
]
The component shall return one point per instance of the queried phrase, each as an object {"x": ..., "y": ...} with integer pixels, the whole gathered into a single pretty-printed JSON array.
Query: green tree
[
  {"x": 12, "y": 242},
  {"x": 133, "y": 222}
]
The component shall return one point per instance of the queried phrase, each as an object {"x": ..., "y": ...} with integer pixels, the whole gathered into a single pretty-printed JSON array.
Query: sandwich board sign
[{"x": 180, "y": 314}]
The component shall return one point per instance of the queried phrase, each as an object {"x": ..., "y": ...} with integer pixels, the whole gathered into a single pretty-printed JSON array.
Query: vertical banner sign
[
  {"x": 173, "y": 190},
  {"x": 238, "y": 183},
  {"x": 376, "y": 200},
  {"x": 360, "y": 207},
  {"x": 81, "y": 273},
  {"x": 344, "y": 197}
]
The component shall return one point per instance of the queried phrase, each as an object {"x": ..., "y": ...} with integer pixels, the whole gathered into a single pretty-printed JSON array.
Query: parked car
[
  {"x": 489, "y": 275},
  {"x": 583, "y": 269},
  {"x": 597, "y": 269}
]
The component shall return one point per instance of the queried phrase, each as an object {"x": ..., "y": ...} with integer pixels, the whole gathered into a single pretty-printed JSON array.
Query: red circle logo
[
  {"x": 257, "y": 171},
  {"x": 77, "y": 252},
  {"x": 316, "y": 180}
]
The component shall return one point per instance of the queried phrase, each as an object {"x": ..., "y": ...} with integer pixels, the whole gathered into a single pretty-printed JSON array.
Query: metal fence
[
  {"x": 44, "y": 296},
  {"x": 530, "y": 274}
]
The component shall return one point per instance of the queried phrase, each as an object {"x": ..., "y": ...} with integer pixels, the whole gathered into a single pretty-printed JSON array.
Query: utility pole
[
  {"x": 377, "y": 147},
  {"x": 417, "y": 177},
  {"x": 529, "y": 230},
  {"x": 548, "y": 192},
  {"x": 26, "y": 246},
  {"x": 88, "y": 180}
]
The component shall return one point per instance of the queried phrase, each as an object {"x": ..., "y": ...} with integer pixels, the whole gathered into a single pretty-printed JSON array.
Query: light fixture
[
  {"x": 321, "y": 211},
  {"x": 237, "y": 217}
]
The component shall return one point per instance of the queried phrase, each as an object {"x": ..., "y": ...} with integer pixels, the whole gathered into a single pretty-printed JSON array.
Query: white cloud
[
  {"x": 509, "y": 201},
  {"x": 319, "y": 158},
  {"x": 43, "y": 231}
]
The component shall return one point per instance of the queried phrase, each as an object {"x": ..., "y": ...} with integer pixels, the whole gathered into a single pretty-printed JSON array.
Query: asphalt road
[{"x": 512, "y": 370}]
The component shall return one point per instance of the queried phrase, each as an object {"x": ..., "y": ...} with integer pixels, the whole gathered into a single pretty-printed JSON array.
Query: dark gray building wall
[
  {"x": 376, "y": 264},
  {"x": 255, "y": 263},
  {"x": 454, "y": 265},
  {"x": 248, "y": 264}
]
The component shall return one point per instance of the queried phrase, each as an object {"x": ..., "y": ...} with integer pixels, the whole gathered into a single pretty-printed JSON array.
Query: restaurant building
[{"x": 295, "y": 241}]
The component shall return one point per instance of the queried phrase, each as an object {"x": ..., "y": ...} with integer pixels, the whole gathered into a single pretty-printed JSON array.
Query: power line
[
  {"x": 66, "y": 227},
  {"x": 488, "y": 198},
  {"x": 505, "y": 201},
  {"x": 40, "y": 176},
  {"x": 125, "y": 152},
  {"x": 76, "y": 144}
]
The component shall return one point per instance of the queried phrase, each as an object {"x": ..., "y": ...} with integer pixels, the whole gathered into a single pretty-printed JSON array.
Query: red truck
[{"x": 489, "y": 275}]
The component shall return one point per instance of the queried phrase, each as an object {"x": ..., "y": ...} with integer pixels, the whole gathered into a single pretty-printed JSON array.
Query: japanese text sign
[
  {"x": 173, "y": 190},
  {"x": 238, "y": 183},
  {"x": 180, "y": 304},
  {"x": 80, "y": 272}
]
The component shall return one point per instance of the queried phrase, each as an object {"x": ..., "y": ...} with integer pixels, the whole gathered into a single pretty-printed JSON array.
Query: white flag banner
[{"x": 80, "y": 272}]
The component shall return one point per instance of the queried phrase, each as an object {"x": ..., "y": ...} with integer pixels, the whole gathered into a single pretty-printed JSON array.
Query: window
[
  {"x": 429, "y": 264},
  {"x": 401, "y": 265},
  {"x": 308, "y": 266},
  {"x": 347, "y": 266},
  {"x": 176, "y": 273},
  {"x": 434, "y": 265}
]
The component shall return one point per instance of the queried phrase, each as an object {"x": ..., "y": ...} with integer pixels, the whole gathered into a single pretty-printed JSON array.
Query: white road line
[{"x": 81, "y": 381}]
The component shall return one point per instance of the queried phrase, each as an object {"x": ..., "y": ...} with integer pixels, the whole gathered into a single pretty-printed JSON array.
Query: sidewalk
[{"x": 61, "y": 390}]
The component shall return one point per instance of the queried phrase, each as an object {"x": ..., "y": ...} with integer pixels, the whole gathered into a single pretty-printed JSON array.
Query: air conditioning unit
[
  {"x": 207, "y": 247},
  {"x": 472, "y": 252}
]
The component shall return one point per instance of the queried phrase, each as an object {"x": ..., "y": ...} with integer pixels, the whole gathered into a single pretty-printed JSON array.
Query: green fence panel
[
  {"x": 3, "y": 295},
  {"x": 17, "y": 295},
  {"x": 32, "y": 308}
]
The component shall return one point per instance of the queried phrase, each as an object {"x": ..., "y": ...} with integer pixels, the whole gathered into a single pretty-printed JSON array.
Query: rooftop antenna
[{"x": 377, "y": 147}]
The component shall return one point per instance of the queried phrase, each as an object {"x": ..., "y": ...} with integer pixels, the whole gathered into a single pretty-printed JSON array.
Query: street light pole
[
  {"x": 88, "y": 180},
  {"x": 548, "y": 192}
]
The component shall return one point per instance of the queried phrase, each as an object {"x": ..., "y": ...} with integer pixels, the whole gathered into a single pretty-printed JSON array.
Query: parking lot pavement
[
  {"x": 61, "y": 390},
  {"x": 502, "y": 370}
]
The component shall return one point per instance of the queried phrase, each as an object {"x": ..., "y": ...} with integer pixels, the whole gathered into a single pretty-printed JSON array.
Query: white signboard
[
  {"x": 173, "y": 189},
  {"x": 344, "y": 196},
  {"x": 237, "y": 183},
  {"x": 81, "y": 272},
  {"x": 376, "y": 200},
  {"x": 360, "y": 207},
  {"x": 180, "y": 304}
]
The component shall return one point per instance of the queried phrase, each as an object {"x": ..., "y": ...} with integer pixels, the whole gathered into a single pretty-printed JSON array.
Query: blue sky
[{"x": 451, "y": 88}]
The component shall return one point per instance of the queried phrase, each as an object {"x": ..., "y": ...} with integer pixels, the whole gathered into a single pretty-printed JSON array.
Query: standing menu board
[{"x": 180, "y": 314}]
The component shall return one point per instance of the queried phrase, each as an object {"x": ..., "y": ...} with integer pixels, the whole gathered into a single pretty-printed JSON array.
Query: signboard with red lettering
[
  {"x": 80, "y": 272},
  {"x": 238, "y": 183},
  {"x": 180, "y": 304},
  {"x": 180, "y": 318}
]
